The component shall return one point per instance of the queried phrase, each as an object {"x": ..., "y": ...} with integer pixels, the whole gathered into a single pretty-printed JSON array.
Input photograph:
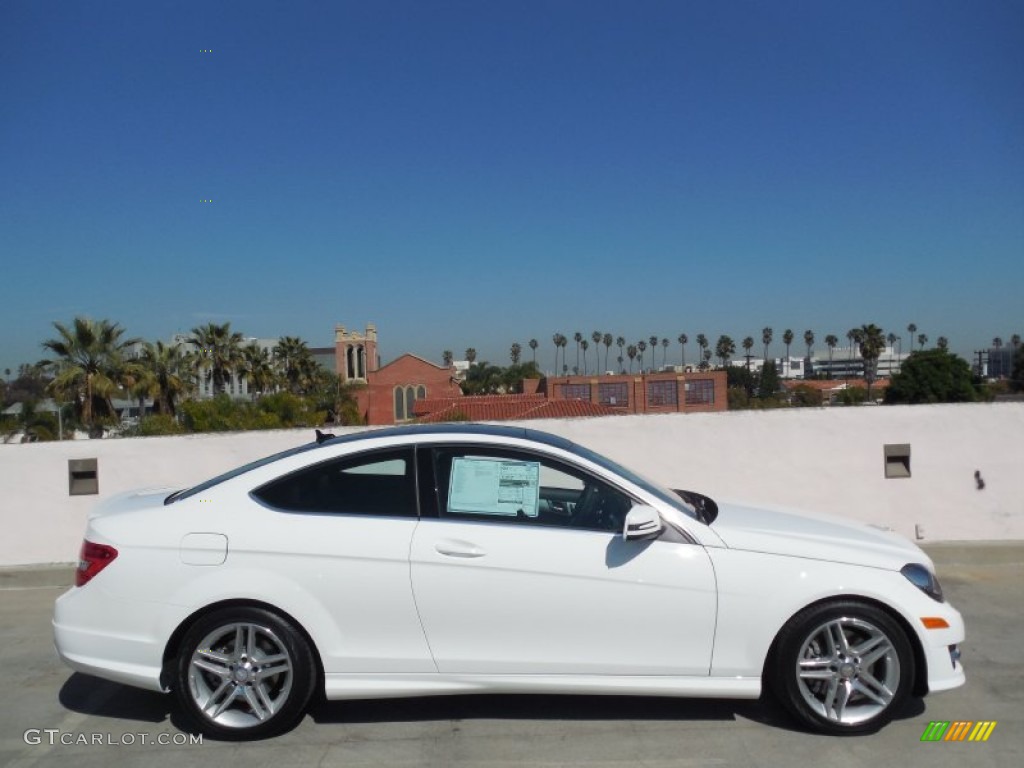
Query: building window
[
  {"x": 576, "y": 392},
  {"x": 405, "y": 399},
  {"x": 614, "y": 395},
  {"x": 700, "y": 392},
  {"x": 662, "y": 393}
]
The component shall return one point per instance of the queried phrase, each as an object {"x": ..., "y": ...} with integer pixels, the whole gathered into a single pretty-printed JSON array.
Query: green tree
[
  {"x": 607, "y": 340},
  {"x": 596, "y": 337},
  {"x": 257, "y": 369},
  {"x": 806, "y": 396},
  {"x": 218, "y": 353},
  {"x": 872, "y": 342},
  {"x": 577, "y": 337},
  {"x": 642, "y": 346},
  {"x": 769, "y": 384},
  {"x": 165, "y": 375},
  {"x": 515, "y": 353},
  {"x": 1017, "y": 375},
  {"x": 942, "y": 343},
  {"x": 702, "y": 344},
  {"x": 748, "y": 344},
  {"x": 447, "y": 356},
  {"x": 831, "y": 341},
  {"x": 922, "y": 339},
  {"x": 682, "y": 339},
  {"x": 809, "y": 342},
  {"x": 631, "y": 354},
  {"x": 766, "y": 339},
  {"x": 584, "y": 345},
  {"x": 787, "y": 339},
  {"x": 556, "y": 339},
  {"x": 933, "y": 376},
  {"x": 89, "y": 367},
  {"x": 471, "y": 355},
  {"x": 664, "y": 352},
  {"x": 533, "y": 343},
  {"x": 724, "y": 349},
  {"x": 295, "y": 364}
]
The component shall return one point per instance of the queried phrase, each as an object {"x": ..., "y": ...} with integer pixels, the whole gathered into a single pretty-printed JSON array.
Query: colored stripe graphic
[
  {"x": 958, "y": 730},
  {"x": 935, "y": 731},
  {"x": 982, "y": 730}
]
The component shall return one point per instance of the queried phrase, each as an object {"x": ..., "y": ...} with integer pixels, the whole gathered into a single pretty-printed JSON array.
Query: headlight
[{"x": 923, "y": 579}]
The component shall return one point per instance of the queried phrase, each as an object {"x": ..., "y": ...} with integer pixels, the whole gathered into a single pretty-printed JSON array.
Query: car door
[
  {"x": 335, "y": 537},
  {"x": 521, "y": 568}
]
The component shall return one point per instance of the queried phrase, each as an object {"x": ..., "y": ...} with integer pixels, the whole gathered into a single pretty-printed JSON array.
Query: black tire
[
  {"x": 842, "y": 667},
  {"x": 243, "y": 673}
]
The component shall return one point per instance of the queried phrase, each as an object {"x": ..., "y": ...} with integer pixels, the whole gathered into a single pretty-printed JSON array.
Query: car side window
[
  {"x": 496, "y": 485},
  {"x": 377, "y": 483}
]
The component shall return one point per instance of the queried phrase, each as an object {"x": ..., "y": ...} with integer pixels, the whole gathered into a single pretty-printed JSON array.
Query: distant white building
[{"x": 844, "y": 364}]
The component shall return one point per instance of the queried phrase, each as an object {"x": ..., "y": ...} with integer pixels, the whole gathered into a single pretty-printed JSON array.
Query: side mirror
[{"x": 642, "y": 522}]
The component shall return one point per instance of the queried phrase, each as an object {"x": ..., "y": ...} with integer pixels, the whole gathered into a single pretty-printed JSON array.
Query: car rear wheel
[
  {"x": 843, "y": 667},
  {"x": 244, "y": 673}
]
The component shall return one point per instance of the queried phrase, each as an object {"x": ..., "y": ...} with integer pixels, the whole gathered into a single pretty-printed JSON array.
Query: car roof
[{"x": 460, "y": 429}]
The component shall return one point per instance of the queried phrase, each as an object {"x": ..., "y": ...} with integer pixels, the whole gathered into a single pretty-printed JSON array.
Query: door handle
[{"x": 457, "y": 548}]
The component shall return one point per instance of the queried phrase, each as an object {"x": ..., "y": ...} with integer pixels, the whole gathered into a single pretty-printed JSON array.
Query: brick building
[
  {"x": 410, "y": 387},
  {"x": 667, "y": 392}
]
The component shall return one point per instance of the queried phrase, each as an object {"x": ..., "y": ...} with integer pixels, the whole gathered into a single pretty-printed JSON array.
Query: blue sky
[{"x": 478, "y": 173}]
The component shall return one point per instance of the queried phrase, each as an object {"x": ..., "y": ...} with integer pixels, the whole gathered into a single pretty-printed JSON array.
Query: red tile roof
[{"x": 505, "y": 408}]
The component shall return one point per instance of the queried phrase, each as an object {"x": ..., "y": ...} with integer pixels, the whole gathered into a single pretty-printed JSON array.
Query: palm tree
[
  {"x": 997, "y": 342},
  {"x": 642, "y": 346},
  {"x": 620, "y": 342},
  {"x": 809, "y": 342},
  {"x": 912, "y": 329},
  {"x": 557, "y": 341},
  {"x": 607, "y": 340},
  {"x": 683, "y": 338},
  {"x": 702, "y": 343},
  {"x": 707, "y": 359},
  {"x": 619, "y": 360},
  {"x": 577, "y": 337},
  {"x": 922, "y": 339},
  {"x": 631, "y": 353},
  {"x": 891, "y": 338},
  {"x": 89, "y": 367},
  {"x": 584, "y": 345},
  {"x": 294, "y": 362},
  {"x": 724, "y": 349},
  {"x": 515, "y": 353},
  {"x": 533, "y": 343},
  {"x": 258, "y": 368},
  {"x": 664, "y": 352},
  {"x": 653, "y": 341},
  {"x": 831, "y": 341},
  {"x": 748, "y": 344},
  {"x": 787, "y": 339},
  {"x": 218, "y": 353},
  {"x": 471, "y": 355},
  {"x": 596, "y": 337},
  {"x": 564, "y": 341},
  {"x": 448, "y": 356},
  {"x": 1015, "y": 340},
  {"x": 872, "y": 342},
  {"x": 166, "y": 375},
  {"x": 766, "y": 339},
  {"x": 942, "y": 343}
]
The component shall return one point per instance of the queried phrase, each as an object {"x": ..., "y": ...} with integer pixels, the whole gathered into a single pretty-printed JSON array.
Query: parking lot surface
[{"x": 54, "y": 717}]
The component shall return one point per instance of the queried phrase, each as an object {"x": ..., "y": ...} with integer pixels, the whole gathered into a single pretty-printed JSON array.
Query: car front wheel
[
  {"x": 843, "y": 667},
  {"x": 244, "y": 673}
]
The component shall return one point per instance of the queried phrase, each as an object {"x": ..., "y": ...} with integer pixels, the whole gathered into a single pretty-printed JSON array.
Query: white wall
[{"x": 829, "y": 460}]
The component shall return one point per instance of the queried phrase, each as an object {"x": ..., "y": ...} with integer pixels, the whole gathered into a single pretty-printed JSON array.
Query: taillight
[{"x": 92, "y": 559}]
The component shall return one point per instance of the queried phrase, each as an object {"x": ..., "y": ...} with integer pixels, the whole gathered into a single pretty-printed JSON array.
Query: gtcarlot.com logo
[
  {"x": 958, "y": 730},
  {"x": 54, "y": 736}
]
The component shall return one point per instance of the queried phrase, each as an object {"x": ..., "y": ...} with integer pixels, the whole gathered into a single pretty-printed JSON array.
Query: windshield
[
  {"x": 653, "y": 488},
  {"x": 184, "y": 494}
]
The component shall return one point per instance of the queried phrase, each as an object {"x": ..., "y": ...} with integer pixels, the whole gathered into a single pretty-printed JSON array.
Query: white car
[{"x": 467, "y": 559}]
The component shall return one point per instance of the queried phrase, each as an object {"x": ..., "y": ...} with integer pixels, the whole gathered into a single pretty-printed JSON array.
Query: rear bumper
[{"x": 92, "y": 642}]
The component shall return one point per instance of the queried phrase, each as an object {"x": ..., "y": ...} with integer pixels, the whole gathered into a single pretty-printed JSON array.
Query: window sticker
[{"x": 494, "y": 487}]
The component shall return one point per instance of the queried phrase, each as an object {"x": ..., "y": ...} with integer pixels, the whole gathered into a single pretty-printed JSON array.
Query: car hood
[
  {"x": 130, "y": 501},
  {"x": 783, "y": 531}
]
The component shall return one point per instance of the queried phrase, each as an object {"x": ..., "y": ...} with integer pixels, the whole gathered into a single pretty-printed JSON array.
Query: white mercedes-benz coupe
[{"x": 467, "y": 559}]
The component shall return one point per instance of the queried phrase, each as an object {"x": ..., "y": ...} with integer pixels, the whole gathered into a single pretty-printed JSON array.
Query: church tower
[{"x": 355, "y": 354}]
